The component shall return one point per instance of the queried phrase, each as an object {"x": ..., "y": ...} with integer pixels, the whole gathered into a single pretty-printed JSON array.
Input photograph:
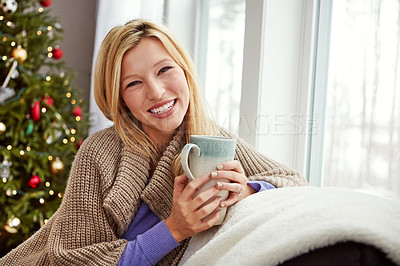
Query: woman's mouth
[{"x": 164, "y": 108}]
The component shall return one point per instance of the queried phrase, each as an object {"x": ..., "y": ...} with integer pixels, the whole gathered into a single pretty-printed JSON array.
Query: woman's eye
[
  {"x": 133, "y": 84},
  {"x": 164, "y": 69}
]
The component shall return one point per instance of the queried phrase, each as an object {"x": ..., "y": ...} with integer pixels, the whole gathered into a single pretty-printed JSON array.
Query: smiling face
[{"x": 154, "y": 88}]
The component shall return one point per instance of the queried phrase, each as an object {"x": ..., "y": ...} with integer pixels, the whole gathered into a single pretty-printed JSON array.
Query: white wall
[{"x": 78, "y": 19}]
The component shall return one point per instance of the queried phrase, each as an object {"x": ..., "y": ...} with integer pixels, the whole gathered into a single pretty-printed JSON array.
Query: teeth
[{"x": 164, "y": 108}]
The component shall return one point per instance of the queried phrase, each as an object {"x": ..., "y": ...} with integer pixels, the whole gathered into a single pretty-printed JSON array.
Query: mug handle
[{"x": 185, "y": 158}]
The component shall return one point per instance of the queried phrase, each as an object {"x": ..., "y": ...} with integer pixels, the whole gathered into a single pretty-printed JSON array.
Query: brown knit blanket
[{"x": 106, "y": 185}]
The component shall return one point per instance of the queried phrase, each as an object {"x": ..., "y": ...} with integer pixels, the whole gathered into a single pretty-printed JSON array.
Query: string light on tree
[{"x": 10, "y": 24}]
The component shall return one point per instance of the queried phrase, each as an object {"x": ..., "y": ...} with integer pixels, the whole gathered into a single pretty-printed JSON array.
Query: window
[
  {"x": 333, "y": 63},
  {"x": 224, "y": 56},
  {"x": 362, "y": 124}
]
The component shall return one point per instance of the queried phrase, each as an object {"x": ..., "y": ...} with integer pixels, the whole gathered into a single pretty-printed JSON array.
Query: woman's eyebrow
[
  {"x": 127, "y": 77},
  {"x": 162, "y": 61},
  {"x": 123, "y": 78}
]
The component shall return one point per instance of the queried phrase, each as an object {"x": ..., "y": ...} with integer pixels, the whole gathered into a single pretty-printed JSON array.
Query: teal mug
[{"x": 201, "y": 156}]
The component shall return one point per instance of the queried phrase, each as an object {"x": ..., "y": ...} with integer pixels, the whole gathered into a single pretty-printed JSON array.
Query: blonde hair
[{"x": 107, "y": 86}]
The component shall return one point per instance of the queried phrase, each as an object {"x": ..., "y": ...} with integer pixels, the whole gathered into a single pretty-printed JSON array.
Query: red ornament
[
  {"x": 77, "y": 111},
  {"x": 79, "y": 144},
  {"x": 34, "y": 181},
  {"x": 45, "y": 3},
  {"x": 47, "y": 100},
  {"x": 35, "y": 111},
  {"x": 57, "y": 53}
]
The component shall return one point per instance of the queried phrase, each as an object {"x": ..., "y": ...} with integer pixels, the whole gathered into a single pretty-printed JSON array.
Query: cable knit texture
[{"x": 106, "y": 185}]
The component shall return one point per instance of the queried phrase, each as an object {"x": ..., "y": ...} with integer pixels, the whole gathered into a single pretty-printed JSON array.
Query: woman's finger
[
  {"x": 232, "y": 176},
  {"x": 208, "y": 208},
  {"x": 232, "y": 199},
  {"x": 232, "y": 187},
  {"x": 236, "y": 192},
  {"x": 179, "y": 183},
  {"x": 231, "y": 166},
  {"x": 205, "y": 196},
  {"x": 209, "y": 223},
  {"x": 195, "y": 184}
]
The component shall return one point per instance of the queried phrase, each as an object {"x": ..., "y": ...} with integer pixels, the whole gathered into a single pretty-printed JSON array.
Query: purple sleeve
[
  {"x": 150, "y": 247},
  {"x": 259, "y": 186}
]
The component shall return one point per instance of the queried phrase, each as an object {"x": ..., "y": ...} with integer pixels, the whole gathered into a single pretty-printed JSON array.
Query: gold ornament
[
  {"x": 10, "y": 229},
  {"x": 12, "y": 225},
  {"x": 57, "y": 166},
  {"x": 20, "y": 54},
  {"x": 2, "y": 128}
]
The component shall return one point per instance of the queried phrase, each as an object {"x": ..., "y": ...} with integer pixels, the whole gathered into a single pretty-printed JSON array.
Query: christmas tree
[{"x": 41, "y": 120}]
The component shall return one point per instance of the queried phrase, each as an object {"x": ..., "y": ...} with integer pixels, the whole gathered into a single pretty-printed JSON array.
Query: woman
[{"x": 126, "y": 201}]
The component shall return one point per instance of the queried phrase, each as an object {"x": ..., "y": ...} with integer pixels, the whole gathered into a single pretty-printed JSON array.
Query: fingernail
[
  {"x": 222, "y": 205},
  {"x": 219, "y": 184},
  {"x": 220, "y": 166},
  {"x": 213, "y": 174}
]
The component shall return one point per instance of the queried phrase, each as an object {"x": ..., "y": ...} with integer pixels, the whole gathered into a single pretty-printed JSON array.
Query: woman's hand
[
  {"x": 238, "y": 188},
  {"x": 187, "y": 211}
]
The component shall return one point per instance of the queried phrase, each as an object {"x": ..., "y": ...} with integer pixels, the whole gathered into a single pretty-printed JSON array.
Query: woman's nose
[{"x": 155, "y": 89}]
